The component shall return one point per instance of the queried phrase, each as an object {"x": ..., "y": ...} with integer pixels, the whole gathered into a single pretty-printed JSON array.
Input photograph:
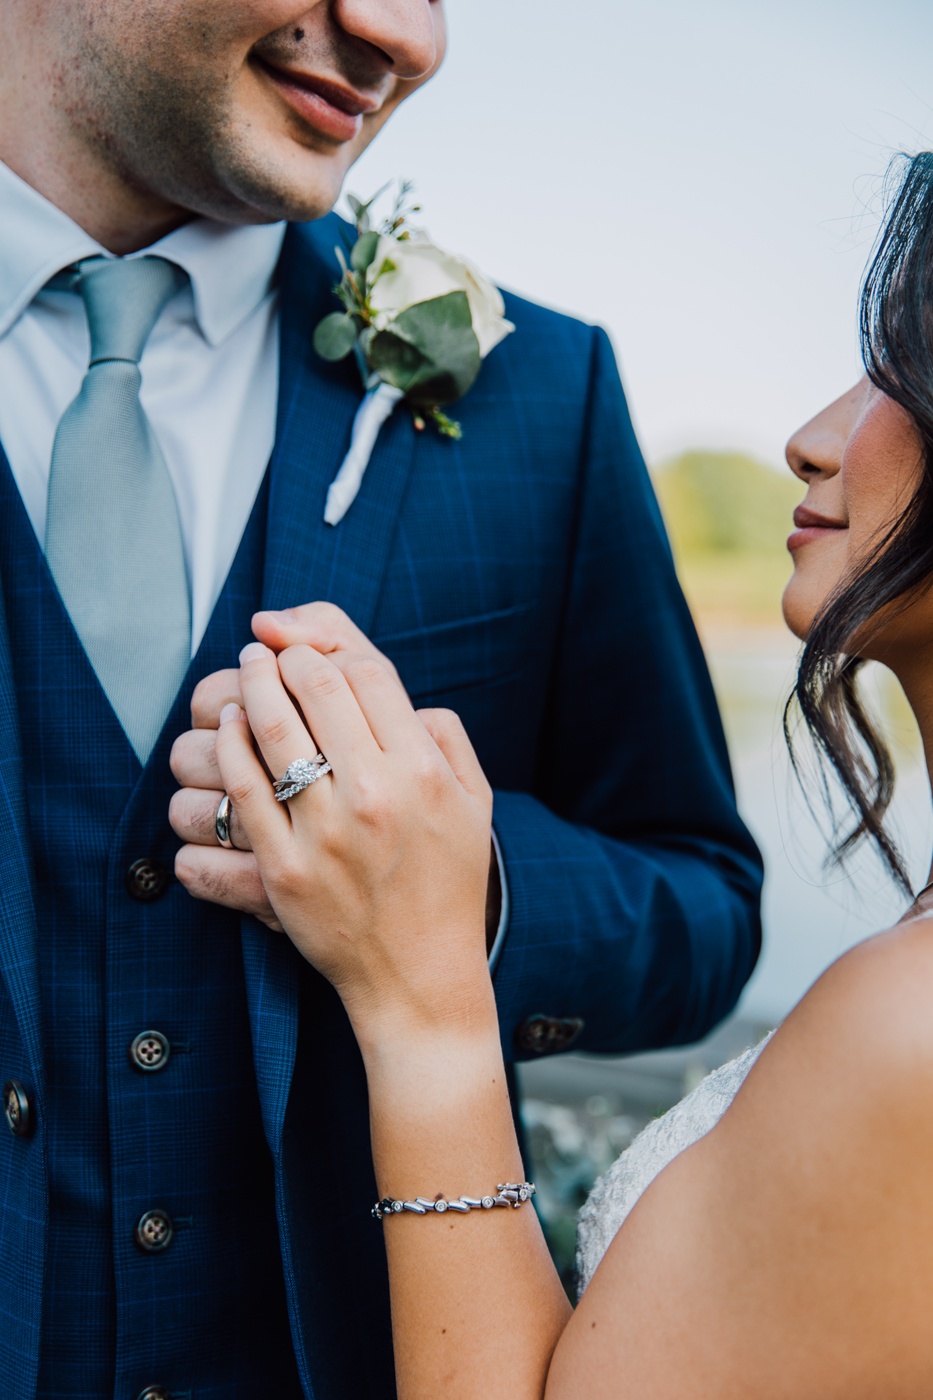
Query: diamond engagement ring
[{"x": 299, "y": 774}]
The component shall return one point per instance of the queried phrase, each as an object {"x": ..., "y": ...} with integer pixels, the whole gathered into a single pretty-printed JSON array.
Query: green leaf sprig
[{"x": 429, "y": 350}]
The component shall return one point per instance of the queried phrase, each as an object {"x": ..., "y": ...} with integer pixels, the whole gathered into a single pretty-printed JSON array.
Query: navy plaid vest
[{"x": 206, "y": 1317}]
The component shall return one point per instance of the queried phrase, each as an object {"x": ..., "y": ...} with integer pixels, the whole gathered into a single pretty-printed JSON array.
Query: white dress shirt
[{"x": 209, "y": 370}]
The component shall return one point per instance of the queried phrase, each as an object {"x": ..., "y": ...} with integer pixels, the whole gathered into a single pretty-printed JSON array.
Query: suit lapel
[
  {"x": 307, "y": 560},
  {"x": 19, "y": 944}
]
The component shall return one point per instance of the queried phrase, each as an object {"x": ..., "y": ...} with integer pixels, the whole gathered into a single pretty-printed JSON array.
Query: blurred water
[
  {"x": 580, "y": 1111},
  {"x": 811, "y": 914}
]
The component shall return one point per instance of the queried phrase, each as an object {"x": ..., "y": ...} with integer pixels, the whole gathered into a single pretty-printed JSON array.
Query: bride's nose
[{"x": 817, "y": 448}]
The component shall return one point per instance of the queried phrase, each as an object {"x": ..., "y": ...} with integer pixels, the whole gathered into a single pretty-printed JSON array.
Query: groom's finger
[
  {"x": 323, "y": 626},
  {"x": 230, "y": 878},
  {"x": 193, "y": 816},
  {"x": 211, "y": 694},
  {"x": 194, "y": 759}
]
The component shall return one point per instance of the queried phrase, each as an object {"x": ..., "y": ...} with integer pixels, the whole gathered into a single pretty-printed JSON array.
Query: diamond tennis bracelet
[{"x": 509, "y": 1193}]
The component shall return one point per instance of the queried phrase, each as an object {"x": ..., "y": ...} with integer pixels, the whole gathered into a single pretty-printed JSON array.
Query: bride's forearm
[{"x": 477, "y": 1307}]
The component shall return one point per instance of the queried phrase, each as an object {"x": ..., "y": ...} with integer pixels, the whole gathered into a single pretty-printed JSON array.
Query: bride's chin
[{"x": 799, "y": 610}]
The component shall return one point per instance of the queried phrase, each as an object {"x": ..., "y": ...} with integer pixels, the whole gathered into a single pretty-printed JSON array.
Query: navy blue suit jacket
[{"x": 523, "y": 578}]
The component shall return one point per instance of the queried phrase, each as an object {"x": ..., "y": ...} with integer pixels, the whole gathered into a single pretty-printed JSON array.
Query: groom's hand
[{"x": 206, "y": 870}]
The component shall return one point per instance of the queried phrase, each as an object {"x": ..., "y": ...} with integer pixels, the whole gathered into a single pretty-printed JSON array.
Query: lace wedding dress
[{"x": 614, "y": 1194}]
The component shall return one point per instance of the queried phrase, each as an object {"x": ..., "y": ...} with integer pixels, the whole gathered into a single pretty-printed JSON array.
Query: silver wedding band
[{"x": 222, "y": 820}]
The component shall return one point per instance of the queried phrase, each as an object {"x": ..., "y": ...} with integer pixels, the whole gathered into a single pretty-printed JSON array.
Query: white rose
[{"x": 424, "y": 271}]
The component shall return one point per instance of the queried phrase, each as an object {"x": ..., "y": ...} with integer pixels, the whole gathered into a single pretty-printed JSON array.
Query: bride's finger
[
  {"x": 330, "y": 709},
  {"x": 278, "y": 727},
  {"x": 265, "y": 822},
  {"x": 446, "y": 729},
  {"x": 384, "y": 705}
]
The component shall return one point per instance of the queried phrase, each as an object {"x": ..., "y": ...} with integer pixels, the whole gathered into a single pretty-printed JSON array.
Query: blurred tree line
[{"x": 728, "y": 517}]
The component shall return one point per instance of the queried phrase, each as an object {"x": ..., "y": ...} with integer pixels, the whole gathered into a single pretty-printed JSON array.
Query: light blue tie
[{"x": 112, "y": 537}]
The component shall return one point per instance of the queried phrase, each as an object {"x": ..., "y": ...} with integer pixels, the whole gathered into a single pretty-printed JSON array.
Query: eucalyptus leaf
[
  {"x": 442, "y": 331},
  {"x": 364, "y": 250},
  {"x": 396, "y": 361},
  {"x": 335, "y": 336}
]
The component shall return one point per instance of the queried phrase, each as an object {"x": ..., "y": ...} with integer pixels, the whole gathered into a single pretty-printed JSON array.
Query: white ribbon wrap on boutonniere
[
  {"x": 376, "y": 407},
  {"x": 420, "y": 321}
]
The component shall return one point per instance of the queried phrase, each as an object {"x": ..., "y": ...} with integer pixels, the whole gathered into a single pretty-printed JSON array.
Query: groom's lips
[
  {"x": 331, "y": 108},
  {"x": 811, "y": 526}
]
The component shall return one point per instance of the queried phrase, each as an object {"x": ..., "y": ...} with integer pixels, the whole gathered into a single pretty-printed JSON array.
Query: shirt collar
[{"x": 231, "y": 266}]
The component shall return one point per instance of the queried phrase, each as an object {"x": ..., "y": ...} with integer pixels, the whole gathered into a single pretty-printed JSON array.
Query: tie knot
[{"x": 123, "y": 300}]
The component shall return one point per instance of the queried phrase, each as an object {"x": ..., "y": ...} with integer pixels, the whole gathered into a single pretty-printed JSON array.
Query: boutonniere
[{"x": 420, "y": 322}]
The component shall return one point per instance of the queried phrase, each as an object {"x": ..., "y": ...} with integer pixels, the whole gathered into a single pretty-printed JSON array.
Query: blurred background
[{"x": 705, "y": 181}]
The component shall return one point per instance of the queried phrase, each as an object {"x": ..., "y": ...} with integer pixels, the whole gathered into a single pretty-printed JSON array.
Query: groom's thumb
[{"x": 323, "y": 626}]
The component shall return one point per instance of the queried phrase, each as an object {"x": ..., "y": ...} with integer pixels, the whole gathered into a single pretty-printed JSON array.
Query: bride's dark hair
[{"x": 896, "y": 328}]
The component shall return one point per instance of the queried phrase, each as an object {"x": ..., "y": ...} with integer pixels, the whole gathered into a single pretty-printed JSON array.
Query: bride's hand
[{"x": 377, "y": 871}]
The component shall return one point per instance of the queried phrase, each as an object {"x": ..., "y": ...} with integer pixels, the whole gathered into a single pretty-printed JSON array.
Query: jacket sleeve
[{"x": 634, "y": 886}]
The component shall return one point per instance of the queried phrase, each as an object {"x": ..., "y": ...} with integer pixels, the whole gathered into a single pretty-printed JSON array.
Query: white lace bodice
[{"x": 616, "y": 1192}]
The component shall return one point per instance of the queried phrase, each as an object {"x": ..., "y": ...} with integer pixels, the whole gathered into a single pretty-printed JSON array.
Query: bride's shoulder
[
  {"x": 797, "y": 1229},
  {"x": 875, "y": 1002},
  {"x": 861, "y": 1040}
]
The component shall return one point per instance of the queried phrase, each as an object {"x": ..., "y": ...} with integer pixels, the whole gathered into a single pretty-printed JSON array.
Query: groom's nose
[{"x": 409, "y": 33}]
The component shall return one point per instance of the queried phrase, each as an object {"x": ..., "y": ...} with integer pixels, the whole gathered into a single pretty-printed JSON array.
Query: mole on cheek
[{"x": 299, "y": 35}]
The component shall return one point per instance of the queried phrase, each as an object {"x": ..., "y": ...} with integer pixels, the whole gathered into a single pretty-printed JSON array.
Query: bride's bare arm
[{"x": 378, "y": 873}]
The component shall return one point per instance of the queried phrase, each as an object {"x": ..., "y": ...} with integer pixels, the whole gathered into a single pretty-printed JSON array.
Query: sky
[{"x": 704, "y": 180}]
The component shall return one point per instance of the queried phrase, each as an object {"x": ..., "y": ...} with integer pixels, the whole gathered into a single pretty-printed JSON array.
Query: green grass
[{"x": 728, "y": 517}]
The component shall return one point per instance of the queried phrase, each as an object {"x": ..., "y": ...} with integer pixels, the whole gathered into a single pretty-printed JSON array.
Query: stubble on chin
[{"x": 159, "y": 106}]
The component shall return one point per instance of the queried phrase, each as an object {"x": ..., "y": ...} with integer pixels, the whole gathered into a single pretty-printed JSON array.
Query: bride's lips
[
  {"x": 332, "y": 109},
  {"x": 811, "y": 526}
]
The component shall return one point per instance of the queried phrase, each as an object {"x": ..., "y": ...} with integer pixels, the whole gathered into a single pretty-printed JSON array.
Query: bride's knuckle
[
  {"x": 313, "y": 678},
  {"x": 429, "y": 774},
  {"x": 274, "y": 730},
  {"x": 448, "y": 722},
  {"x": 372, "y": 801},
  {"x": 365, "y": 671},
  {"x": 240, "y": 789}
]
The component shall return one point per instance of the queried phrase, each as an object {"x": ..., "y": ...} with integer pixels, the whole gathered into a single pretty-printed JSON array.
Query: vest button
[
  {"x": 154, "y": 1231},
  {"x": 16, "y": 1108},
  {"x": 154, "y": 1392},
  {"x": 149, "y": 1051},
  {"x": 147, "y": 881}
]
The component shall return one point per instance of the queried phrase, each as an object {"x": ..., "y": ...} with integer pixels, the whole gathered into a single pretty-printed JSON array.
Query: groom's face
[{"x": 246, "y": 110}]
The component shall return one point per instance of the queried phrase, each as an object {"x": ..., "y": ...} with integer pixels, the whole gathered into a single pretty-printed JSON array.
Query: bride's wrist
[
  {"x": 435, "y": 1087},
  {"x": 431, "y": 1006},
  {"x": 403, "y": 1045}
]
